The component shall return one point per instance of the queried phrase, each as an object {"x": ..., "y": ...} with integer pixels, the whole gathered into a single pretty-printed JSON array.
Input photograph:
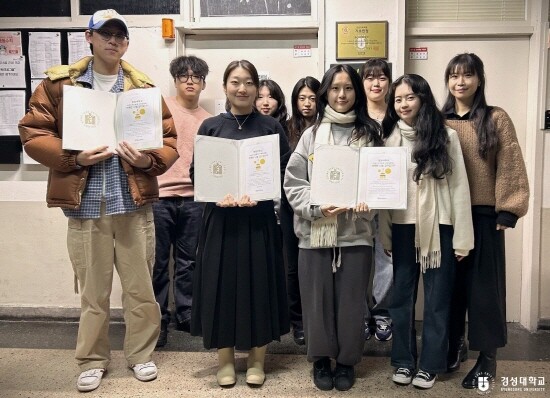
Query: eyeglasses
[
  {"x": 106, "y": 35},
  {"x": 194, "y": 78}
]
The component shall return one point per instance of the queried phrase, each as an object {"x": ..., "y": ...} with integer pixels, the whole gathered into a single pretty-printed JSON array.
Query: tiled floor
[{"x": 36, "y": 360}]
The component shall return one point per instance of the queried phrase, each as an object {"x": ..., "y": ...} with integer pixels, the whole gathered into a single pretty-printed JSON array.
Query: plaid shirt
[{"x": 107, "y": 180}]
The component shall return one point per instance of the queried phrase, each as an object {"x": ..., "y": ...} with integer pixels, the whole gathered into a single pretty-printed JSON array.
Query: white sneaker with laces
[
  {"x": 145, "y": 371},
  {"x": 89, "y": 380}
]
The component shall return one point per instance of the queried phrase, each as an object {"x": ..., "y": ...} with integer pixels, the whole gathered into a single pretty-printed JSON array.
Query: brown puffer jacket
[{"x": 41, "y": 131}]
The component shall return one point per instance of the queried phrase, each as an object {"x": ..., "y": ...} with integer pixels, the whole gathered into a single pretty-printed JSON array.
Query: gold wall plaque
[{"x": 361, "y": 40}]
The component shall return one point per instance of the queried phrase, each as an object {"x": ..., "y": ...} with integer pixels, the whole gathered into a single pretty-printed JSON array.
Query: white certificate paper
[
  {"x": 93, "y": 118},
  {"x": 335, "y": 175},
  {"x": 383, "y": 177},
  {"x": 345, "y": 176},
  {"x": 138, "y": 111},
  {"x": 237, "y": 167},
  {"x": 260, "y": 179}
]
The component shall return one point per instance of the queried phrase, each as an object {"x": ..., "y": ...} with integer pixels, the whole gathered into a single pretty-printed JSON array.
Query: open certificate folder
[
  {"x": 93, "y": 118},
  {"x": 344, "y": 176},
  {"x": 237, "y": 167}
]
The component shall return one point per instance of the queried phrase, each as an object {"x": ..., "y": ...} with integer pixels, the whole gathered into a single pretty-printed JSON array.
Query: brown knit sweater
[{"x": 501, "y": 179}]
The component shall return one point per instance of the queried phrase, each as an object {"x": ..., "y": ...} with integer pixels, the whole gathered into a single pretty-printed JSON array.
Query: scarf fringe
[
  {"x": 430, "y": 260},
  {"x": 336, "y": 259},
  {"x": 324, "y": 232}
]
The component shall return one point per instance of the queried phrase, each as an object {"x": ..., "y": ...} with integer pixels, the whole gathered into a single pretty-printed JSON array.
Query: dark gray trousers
[{"x": 333, "y": 306}]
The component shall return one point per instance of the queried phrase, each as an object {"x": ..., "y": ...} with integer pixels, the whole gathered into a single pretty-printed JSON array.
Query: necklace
[
  {"x": 241, "y": 124},
  {"x": 378, "y": 116}
]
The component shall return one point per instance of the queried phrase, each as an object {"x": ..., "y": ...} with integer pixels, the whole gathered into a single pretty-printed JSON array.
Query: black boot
[
  {"x": 486, "y": 365},
  {"x": 458, "y": 352}
]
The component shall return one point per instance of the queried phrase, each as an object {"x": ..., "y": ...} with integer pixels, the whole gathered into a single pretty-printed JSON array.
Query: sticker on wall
[
  {"x": 302, "y": 50},
  {"x": 418, "y": 52}
]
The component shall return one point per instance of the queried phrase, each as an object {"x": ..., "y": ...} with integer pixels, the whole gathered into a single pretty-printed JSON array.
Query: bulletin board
[{"x": 10, "y": 145}]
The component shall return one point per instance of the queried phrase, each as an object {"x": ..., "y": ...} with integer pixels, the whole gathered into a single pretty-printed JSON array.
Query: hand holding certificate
[
  {"x": 229, "y": 171},
  {"x": 345, "y": 177},
  {"x": 93, "y": 118}
]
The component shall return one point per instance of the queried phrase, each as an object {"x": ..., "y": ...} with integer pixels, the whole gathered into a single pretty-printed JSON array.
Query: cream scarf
[
  {"x": 426, "y": 233},
  {"x": 324, "y": 231}
]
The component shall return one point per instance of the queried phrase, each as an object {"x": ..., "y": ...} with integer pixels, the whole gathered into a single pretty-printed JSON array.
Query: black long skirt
[
  {"x": 480, "y": 286},
  {"x": 239, "y": 291}
]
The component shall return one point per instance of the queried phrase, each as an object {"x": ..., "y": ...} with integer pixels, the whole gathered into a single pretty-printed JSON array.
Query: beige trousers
[{"x": 126, "y": 241}]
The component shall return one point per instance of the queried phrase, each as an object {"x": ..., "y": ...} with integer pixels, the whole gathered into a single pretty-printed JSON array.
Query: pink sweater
[{"x": 176, "y": 181}]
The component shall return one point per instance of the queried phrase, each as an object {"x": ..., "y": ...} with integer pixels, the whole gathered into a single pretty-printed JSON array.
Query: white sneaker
[
  {"x": 145, "y": 371},
  {"x": 89, "y": 380}
]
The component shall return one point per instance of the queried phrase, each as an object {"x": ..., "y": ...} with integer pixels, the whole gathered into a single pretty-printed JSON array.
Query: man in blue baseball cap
[{"x": 106, "y": 196}]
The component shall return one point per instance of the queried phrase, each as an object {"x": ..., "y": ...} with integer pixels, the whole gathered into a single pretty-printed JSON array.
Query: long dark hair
[
  {"x": 297, "y": 122},
  {"x": 364, "y": 124},
  {"x": 430, "y": 148},
  {"x": 276, "y": 93},
  {"x": 480, "y": 112}
]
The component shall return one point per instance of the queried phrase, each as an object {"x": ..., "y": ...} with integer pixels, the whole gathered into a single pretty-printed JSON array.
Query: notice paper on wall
[
  {"x": 12, "y": 71},
  {"x": 78, "y": 46},
  {"x": 12, "y": 109},
  {"x": 44, "y": 52},
  {"x": 10, "y": 43}
]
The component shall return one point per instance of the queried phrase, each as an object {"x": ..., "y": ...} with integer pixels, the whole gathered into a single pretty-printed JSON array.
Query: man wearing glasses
[
  {"x": 177, "y": 216},
  {"x": 107, "y": 198}
]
